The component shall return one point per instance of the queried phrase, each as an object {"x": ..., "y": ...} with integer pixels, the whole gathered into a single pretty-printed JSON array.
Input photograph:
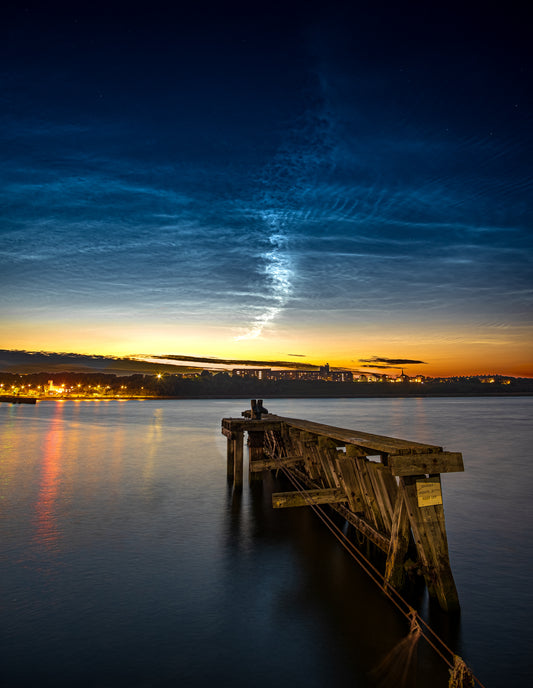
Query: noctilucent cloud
[{"x": 336, "y": 181}]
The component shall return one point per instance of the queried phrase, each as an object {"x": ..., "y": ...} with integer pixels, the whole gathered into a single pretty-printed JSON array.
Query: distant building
[
  {"x": 403, "y": 377},
  {"x": 324, "y": 371},
  {"x": 53, "y": 389},
  {"x": 368, "y": 377},
  {"x": 294, "y": 375},
  {"x": 259, "y": 373},
  {"x": 341, "y": 376}
]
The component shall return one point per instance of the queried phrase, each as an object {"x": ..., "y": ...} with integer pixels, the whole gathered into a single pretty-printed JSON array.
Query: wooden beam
[
  {"x": 307, "y": 498},
  {"x": 364, "y": 527},
  {"x": 239, "y": 424},
  {"x": 417, "y": 464},
  {"x": 372, "y": 444},
  {"x": 272, "y": 463}
]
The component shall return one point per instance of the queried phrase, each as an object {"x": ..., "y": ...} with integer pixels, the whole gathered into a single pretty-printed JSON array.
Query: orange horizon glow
[{"x": 467, "y": 353}]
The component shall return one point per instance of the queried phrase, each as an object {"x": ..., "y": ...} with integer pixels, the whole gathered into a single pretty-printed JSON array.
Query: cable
[{"x": 399, "y": 602}]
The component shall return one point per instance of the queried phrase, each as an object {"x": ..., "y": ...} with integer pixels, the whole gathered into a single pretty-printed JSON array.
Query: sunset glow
[{"x": 325, "y": 185}]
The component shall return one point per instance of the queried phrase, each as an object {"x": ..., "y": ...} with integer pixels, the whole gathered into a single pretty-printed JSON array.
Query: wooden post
[
  {"x": 238, "y": 458},
  {"x": 255, "y": 452},
  {"x": 423, "y": 501},
  {"x": 231, "y": 458}
]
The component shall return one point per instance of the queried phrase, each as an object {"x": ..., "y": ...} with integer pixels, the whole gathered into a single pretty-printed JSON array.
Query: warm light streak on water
[{"x": 46, "y": 530}]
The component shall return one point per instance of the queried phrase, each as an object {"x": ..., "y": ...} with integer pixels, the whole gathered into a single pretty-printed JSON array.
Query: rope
[
  {"x": 460, "y": 674},
  {"x": 394, "y": 668}
]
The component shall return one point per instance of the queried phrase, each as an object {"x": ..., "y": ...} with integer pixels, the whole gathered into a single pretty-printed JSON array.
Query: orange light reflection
[{"x": 46, "y": 531}]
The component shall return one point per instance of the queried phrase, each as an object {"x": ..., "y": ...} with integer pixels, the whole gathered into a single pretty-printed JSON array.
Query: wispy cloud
[{"x": 377, "y": 361}]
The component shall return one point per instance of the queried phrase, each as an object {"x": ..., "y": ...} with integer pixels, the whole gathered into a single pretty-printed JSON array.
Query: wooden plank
[
  {"x": 389, "y": 486},
  {"x": 417, "y": 464},
  {"x": 272, "y": 463},
  {"x": 308, "y": 446},
  {"x": 373, "y": 444},
  {"x": 372, "y": 507},
  {"x": 381, "y": 496},
  {"x": 307, "y": 498},
  {"x": 354, "y": 453},
  {"x": 350, "y": 482},
  {"x": 327, "y": 454},
  {"x": 399, "y": 542},
  {"x": 227, "y": 433}
]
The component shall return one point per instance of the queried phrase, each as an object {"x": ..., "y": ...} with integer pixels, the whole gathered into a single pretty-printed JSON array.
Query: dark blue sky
[{"x": 332, "y": 180}]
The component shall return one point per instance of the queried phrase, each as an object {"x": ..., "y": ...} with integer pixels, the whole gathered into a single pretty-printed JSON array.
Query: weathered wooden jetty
[{"x": 389, "y": 489}]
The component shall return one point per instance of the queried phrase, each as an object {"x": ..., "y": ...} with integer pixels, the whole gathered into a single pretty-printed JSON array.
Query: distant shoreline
[{"x": 418, "y": 395}]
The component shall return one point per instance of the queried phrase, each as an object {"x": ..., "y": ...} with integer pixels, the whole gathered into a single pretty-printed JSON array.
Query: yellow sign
[{"x": 428, "y": 493}]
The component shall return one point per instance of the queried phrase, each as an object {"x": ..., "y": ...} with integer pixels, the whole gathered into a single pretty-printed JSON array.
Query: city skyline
[
  {"x": 22, "y": 363},
  {"x": 341, "y": 183}
]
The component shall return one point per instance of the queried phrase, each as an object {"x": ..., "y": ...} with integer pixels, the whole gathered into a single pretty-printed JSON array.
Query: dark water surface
[{"x": 127, "y": 560}]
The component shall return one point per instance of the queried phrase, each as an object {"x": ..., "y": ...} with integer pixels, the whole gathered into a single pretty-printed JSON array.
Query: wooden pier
[{"x": 389, "y": 489}]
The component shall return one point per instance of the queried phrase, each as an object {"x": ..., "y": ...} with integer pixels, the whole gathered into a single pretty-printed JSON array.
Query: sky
[{"x": 312, "y": 181}]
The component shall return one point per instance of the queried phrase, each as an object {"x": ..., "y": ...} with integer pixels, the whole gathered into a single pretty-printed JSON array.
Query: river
[{"x": 128, "y": 561}]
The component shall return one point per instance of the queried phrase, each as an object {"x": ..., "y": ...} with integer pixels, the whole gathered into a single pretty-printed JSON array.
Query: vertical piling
[
  {"x": 429, "y": 531},
  {"x": 230, "y": 458},
  {"x": 255, "y": 452},
  {"x": 238, "y": 458}
]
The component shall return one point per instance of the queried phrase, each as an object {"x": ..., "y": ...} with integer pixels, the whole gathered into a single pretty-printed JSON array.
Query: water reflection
[
  {"x": 46, "y": 532},
  {"x": 154, "y": 435}
]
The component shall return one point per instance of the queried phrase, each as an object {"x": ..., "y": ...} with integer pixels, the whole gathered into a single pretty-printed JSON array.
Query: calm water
[{"x": 128, "y": 561}]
